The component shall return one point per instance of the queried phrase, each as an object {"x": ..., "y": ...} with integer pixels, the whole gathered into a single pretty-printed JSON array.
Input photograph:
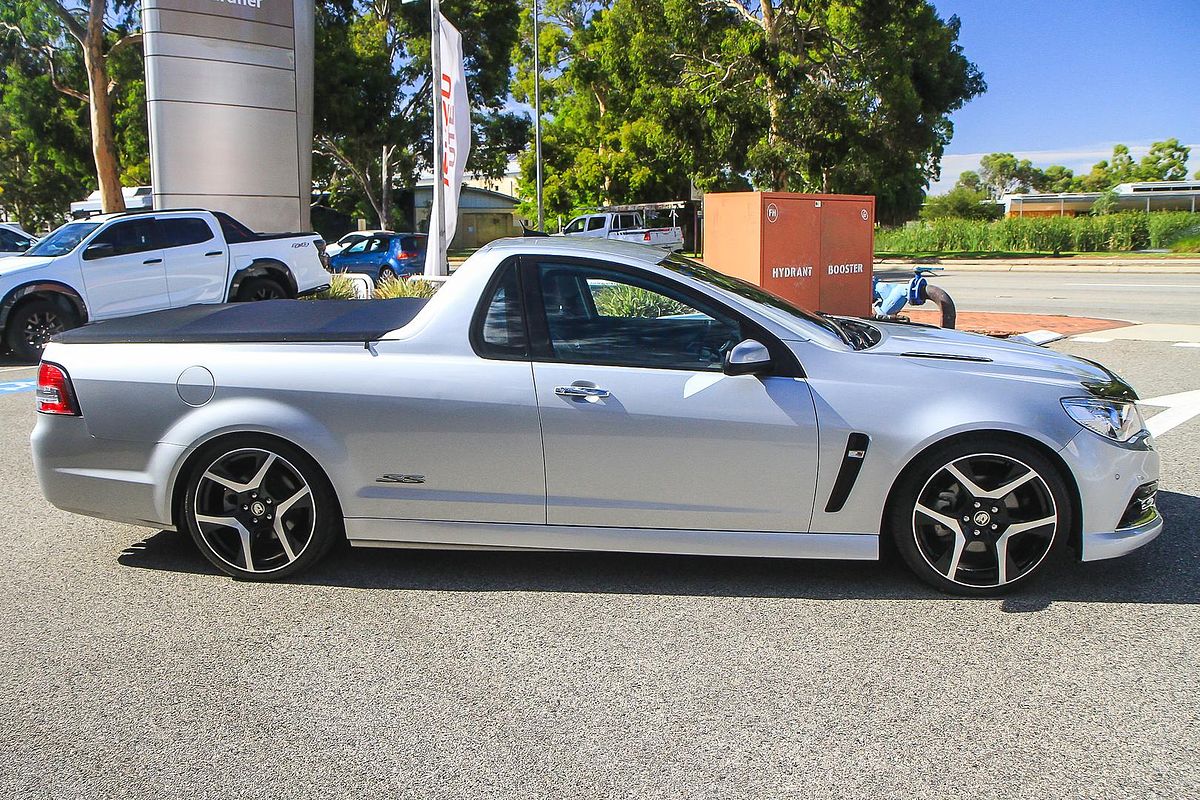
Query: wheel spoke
[
  {"x": 949, "y": 522},
  {"x": 967, "y": 483},
  {"x": 257, "y": 481},
  {"x": 1022, "y": 527},
  {"x": 243, "y": 534},
  {"x": 280, "y": 532},
  {"x": 1009, "y": 488},
  {"x": 231, "y": 485}
]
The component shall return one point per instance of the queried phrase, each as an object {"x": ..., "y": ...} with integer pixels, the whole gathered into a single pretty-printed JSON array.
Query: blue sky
[{"x": 1068, "y": 79}]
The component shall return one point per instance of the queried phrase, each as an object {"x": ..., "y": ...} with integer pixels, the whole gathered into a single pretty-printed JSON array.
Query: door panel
[
  {"x": 133, "y": 279},
  {"x": 196, "y": 261},
  {"x": 677, "y": 449}
]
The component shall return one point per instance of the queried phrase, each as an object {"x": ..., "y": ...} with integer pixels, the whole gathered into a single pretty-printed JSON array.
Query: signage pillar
[{"x": 229, "y": 89}]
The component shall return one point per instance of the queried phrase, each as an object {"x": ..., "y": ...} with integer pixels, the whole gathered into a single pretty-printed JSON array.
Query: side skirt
[{"x": 368, "y": 532}]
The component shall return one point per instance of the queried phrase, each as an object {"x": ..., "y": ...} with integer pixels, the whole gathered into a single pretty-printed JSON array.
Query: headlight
[{"x": 1116, "y": 419}]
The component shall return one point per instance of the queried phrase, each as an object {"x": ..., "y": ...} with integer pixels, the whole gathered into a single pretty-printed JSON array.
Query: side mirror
[
  {"x": 99, "y": 250},
  {"x": 748, "y": 357}
]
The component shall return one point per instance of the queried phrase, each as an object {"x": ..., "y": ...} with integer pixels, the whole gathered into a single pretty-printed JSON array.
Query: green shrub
[
  {"x": 391, "y": 288},
  {"x": 1125, "y": 231},
  {"x": 622, "y": 300},
  {"x": 340, "y": 288}
]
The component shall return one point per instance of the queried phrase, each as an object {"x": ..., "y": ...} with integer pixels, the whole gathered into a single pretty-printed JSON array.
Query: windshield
[
  {"x": 694, "y": 269},
  {"x": 63, "y": 240}
]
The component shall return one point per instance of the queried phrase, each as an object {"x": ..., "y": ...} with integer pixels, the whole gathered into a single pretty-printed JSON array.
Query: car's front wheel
[
  {"x": 979, "y": 518},
  {"x": 32, "y": 324},
  {"x": 260, "y": 509}
]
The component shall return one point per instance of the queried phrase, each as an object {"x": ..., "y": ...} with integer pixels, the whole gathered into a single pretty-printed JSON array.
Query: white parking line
[
  {"x": 1180, "y": 407},
  {"x": 15, "y": 369},
  {"x": 1187, "y": 344}
]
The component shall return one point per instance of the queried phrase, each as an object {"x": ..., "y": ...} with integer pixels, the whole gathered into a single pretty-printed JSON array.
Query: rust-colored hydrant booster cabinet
[{"x": 812, "y": 249}]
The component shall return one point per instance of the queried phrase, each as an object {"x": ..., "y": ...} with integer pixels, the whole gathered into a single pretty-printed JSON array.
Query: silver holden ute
[{"x": 593, "y": 395}]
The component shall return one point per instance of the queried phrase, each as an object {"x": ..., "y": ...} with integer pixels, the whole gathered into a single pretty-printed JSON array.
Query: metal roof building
[{"x": 1142, "y": 196}]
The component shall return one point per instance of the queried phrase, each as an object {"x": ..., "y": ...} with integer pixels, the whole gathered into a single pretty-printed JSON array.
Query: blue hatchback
[{"x": 383, "y": 255}]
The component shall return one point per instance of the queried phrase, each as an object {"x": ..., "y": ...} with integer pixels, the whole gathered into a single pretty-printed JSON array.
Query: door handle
[
  {"x": 215, "y": 253},
  {"x": 580, "y": 391},
  {"x": 152, "y": 261}
]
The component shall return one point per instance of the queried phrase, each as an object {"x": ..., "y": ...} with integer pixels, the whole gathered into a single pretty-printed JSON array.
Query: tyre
[
  {"x": 31, "y": 325},
  {"x": 980, "y": 517},
  {"x": 387, "y": 274},
  {"x": 261, "y": 289},
  {"x": 260, "y": 509}
]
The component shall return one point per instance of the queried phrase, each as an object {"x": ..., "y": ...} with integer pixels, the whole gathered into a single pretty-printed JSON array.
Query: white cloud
[{"x": 1079, "y": 159}]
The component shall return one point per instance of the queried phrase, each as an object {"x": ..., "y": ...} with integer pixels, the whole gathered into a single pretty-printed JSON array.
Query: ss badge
[{"x": 389, "y": 478}]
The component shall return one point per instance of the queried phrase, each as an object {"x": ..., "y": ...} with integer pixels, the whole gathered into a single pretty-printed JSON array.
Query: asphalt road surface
[
  {"x": 1137, "y": 297},
  {"x": 129, "y": 668}
]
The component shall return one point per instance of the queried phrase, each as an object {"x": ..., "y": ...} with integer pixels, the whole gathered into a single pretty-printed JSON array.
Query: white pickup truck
[
  {"x": 627, "y": 226},
  {"x": 131, "y": 263}
]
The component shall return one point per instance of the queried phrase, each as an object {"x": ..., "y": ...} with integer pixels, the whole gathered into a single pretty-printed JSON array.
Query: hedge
[{"x": 1131, "y": 230}]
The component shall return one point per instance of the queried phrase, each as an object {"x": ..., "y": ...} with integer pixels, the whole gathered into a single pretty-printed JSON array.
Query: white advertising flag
[{"x": 456, "y": 144}]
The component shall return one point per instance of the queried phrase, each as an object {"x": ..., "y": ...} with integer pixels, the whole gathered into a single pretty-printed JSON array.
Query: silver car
[{"x": 564, "y": 394}]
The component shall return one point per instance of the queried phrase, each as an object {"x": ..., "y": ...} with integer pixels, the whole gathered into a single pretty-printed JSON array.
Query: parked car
[
  {"x": 124, "y": 264},
  {"x": 574, "y": 395},
  {"x": 354, "y": 237},
  {"x": 625, "y": 226},
  {"x": 383, "y": 255},
  {"x": 14, "y": 239}
]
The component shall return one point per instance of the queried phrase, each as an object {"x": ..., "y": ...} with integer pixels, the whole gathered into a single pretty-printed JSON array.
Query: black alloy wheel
[{"x": 980, "y": 520}]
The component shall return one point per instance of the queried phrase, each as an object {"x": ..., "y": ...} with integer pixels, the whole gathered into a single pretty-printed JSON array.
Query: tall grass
[{"x": 1130, "y": 230}]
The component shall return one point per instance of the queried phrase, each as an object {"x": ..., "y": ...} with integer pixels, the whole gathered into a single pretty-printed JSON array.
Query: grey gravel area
[{"x": 128, "y": 668}]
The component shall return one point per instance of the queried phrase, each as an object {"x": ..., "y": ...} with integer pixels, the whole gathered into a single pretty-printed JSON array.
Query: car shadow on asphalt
[{"x": 1165, "y": 571}]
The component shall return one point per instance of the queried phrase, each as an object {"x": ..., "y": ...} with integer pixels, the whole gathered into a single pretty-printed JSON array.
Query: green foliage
[
  {"x": 1002, "y": 173},
  {"x": 1125, "y": 231},
  {"x": 391, "y": 288},
  {"x": 654, "y": 96},
  {"x": 1186, "y": 244},
  {"x": 623, "y": 300},
  {"x": 46, "y": 160},
  {"x": 961, "y": 203},
  {"x": 340, "y": 288},
  {"x": 373, "y": 101},
  {"x": 1106, "y": 203}
]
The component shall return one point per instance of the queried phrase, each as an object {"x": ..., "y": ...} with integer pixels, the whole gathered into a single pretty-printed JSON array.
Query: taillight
[
  {"x": 54, "y": 392},
  {"x": 646, "y": 236},
  {"x": 405, "y": 254}
]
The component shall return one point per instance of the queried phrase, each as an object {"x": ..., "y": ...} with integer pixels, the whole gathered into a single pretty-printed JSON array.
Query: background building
[{"x": 1145, "y": 196}]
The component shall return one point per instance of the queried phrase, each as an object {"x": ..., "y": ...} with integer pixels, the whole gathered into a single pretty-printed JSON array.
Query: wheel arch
[
  {"x": 992, "y": 435},
  {"x": 179, "y": 480},
  {"x": 263, "y": 268},
  {"x": 51, "y": 290}
]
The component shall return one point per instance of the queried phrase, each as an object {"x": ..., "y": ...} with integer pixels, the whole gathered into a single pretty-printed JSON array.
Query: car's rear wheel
[
  {"x": 387, "y": 274},
  {"x": 261, "y": 289},
  {"x": 260, "y": 509},
  {"x": 979, "y": 518},
  {"x": 32, "y": 324}
]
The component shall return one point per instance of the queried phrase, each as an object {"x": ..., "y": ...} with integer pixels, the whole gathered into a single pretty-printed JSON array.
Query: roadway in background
[{"x": 1136, "y": 297}]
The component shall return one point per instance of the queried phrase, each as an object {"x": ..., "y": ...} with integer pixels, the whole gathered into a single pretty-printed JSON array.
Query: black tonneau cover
[{"x": 267, "y": 321}]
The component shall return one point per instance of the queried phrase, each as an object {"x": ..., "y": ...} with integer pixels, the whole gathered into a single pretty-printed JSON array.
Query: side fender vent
[{"x": 852, "y": 461}]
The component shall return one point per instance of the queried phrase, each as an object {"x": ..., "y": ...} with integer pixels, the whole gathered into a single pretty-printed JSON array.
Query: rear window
[
  {"x": 234, "y": 231},
  {"x": 180, "y": 231}
]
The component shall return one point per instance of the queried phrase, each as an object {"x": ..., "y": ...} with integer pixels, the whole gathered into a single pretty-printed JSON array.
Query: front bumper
[{"x": 1108, "y": 476}]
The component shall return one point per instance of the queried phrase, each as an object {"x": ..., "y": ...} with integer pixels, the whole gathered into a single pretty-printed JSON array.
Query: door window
[
  {"x": 377, "y": 244},
  {"x": 357, "y": 248},
  {"x": 134, "y": 236},
  {"x": 595, "y": 223},
  {"x": 182, "y": 231},
  {"x": 499, "y": 328},
  {"x": 600, "y": 316},
  {"x": 12, "y": 243},
  {"x": 576, "y": 225}
]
